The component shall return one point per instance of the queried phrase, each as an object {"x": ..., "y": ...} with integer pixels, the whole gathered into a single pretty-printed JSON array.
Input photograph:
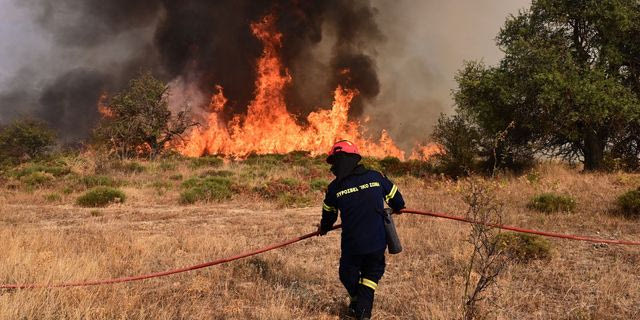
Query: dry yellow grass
[{"x": 44, "y": 242}]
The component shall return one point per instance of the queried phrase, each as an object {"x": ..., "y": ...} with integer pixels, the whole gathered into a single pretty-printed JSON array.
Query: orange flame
[
  {"x": 268, "y": 127},
  {"x": 103, "y": 108}
]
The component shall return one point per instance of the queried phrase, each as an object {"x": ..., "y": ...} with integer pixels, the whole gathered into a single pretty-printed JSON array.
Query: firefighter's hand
[
  {"x": 389, "y": 211},
  {"x": 322, "y": 231}
]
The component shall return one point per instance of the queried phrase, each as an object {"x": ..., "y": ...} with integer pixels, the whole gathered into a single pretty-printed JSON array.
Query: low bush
[
  {"x": 37, "y": 179},
  {"x": 101, "y": 197},
  {"x": 54, "y": 170},
  {"x": 629, "y": 203},
  {"x": 205, "y": 189},
  {"x": 524, "y": 247},
  {"x": 208, "y": 161},
  {"x": 549, "y": 202},
  {"x": 25, "y": 139},
  {"x": 176, "y": 177}
]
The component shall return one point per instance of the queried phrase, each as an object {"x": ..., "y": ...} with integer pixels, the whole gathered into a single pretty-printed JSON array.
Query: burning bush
[
  {"x": 101, "y": 197},
  {"x": 549, "y": 202}
]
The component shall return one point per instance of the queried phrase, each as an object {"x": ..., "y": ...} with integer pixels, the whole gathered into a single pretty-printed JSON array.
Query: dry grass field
[{"x": 46, "y": 237}]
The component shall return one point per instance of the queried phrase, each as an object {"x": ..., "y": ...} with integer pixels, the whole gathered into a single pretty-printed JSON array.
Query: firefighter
[{"x": 358, "y": 194}]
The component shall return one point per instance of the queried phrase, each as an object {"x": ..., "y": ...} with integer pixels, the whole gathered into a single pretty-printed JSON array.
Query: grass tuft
[
  {"x": 99, "y": 181},
  {"x": 101, "y": 197},
  {"x": 53, "y": 197},
  {"x": 549, "y": 202}
]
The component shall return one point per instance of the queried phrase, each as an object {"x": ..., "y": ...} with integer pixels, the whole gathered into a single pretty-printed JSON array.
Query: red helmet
[{"x": 342, "y": 146}]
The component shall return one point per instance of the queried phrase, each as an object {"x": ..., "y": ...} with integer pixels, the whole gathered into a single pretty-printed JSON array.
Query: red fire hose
[{"x": 298, "y": 239}]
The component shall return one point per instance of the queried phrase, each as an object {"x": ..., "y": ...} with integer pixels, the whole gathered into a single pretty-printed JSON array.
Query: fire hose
[{"x": 301, "y": 238}]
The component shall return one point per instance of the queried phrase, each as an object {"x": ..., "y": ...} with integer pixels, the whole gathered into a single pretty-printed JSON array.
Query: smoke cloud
[{"x": 400, "y": 55}]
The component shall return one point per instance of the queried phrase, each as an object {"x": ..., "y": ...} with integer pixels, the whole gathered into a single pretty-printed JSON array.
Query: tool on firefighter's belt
[{"x": 393, "y": 242}]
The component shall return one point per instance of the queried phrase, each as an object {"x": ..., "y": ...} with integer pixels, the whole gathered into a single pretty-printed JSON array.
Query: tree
[
  {"x": 24, "y": 140},
  {"x": 569, "y": 80},
  {"x": 137, "y": 121}
]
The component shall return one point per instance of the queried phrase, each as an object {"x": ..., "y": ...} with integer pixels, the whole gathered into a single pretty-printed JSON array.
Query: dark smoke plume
[{"x": 100, "y": 45}]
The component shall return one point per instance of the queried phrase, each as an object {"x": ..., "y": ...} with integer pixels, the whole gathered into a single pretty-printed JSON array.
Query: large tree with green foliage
[
  {"x": 138, "y": 120},
  {"x": 569, "y": 81}
]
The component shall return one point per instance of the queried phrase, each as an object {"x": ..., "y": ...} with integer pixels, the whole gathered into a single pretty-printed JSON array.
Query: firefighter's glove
[{"x": 389, "y": 211}]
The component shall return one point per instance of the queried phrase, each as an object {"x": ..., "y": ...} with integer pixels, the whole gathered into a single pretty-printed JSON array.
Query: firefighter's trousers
[{"x": 360, "y": 275}]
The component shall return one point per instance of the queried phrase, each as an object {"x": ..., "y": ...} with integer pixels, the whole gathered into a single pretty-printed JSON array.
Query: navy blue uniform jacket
[{"x": 360, "y": 200}]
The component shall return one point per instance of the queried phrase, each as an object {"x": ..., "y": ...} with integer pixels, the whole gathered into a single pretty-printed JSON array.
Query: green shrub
[
  {"x": 101, "y": 197},
  {"x": 319, "y": 184},
  {"x": 25, "y": 139},
  {"x": 207, "y": 189},
  {"x": 53, "y": 197},
  {"x": 208, "y": 161},
  {"x": 549, "y": 202},
  {"x": 36, "y": 179},
  {"x": 56, "y": 171},
  {"x": 524, "y": 247},
  {"x": 176, "y": 177},
  {"x": 629, "y": 203}
]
